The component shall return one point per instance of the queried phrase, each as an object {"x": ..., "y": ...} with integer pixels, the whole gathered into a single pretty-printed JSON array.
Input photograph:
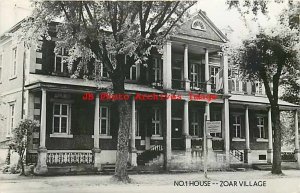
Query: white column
[
  {"x": 41, "y": 167},
  {"x": 207, "y": 75},
  {"x": 270, "y": 138},
  {"x": 43, "y": 120},
  {"x": 133, "y": 156},
  {"x": 186, "y": 68},
  {"x": 225, "y": 72},
  {"x": 297, "y": 151},
  {"x": 167, "y": 66},
  {"x": 208, "y": 136},
  {"x": 96, "y": 123},
  {"x": 247, "y": 150},
  {"x": 97, "y": 150},
  {"x": 186, "y": 125},
  {"x": 226, "y": 128},
  {"x": 168, "y": 129}
]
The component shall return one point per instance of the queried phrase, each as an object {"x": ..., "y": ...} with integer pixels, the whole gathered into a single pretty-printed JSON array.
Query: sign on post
[{"x": 213, "y": 126}]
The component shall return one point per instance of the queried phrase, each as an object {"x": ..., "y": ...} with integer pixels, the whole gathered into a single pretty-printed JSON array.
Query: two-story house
[{"x": 73, "y": 131}]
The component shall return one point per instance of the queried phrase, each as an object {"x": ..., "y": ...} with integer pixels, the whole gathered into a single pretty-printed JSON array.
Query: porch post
[
  {"x": 97, "y": 149},
  {"x": 207, "y": 75},
  {"x": 41, "y": 167},
  {"x": 167, "y": 66},
  {"x": 225, "y": 72},
  {"x": 208, "y": 137},
  {"x": 168, "y": 146},
  {"x": 186, "y": 68},
  {"x": 226, "y": 128},
  {"x": 133, "y": 152},
  {"x": 247, "y": 150},
  {"x": 270, "y": 138},
  {"x": 297, "y": 151},
  {"x": 186, "y": 126}
]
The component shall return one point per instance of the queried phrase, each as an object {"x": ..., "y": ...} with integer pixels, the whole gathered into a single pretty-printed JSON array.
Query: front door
[{"x": 177, "y": 139}]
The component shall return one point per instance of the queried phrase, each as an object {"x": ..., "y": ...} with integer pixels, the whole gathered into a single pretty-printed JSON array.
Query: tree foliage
[
  {"x": 271, "y": 56},
  {"x": 20, "y": 139},
  {"x": 107, "y": 31}
]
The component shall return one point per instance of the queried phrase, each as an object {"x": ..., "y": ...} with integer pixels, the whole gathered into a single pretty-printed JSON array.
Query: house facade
[{"x": 78, "y": 125}]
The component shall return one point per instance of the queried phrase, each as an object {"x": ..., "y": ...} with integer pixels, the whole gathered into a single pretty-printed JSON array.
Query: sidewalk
[{"x": 153, "y": 183}]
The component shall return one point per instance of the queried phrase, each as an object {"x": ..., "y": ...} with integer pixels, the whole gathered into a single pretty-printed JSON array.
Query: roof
[
  {"x": 55, "y": 80},
  {"x": 248, "y": 99},
  {"x": 211, "y": 33}
]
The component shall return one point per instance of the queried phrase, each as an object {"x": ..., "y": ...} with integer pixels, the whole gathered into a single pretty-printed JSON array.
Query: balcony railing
[
  {"x": 178, "y": 84},
  {"x": 157, "y": 84},
  {"x": 198, "y": 86}
]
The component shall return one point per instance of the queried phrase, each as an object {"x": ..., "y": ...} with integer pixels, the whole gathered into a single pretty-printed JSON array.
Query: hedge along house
[{"x": 78, "y": 129}]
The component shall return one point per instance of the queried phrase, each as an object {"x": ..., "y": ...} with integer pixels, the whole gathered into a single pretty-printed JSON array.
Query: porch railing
[
  {"x": 288, "y": 157},
  {"x": 70, "y": 157},
  {"x": 239, "y": 155}
]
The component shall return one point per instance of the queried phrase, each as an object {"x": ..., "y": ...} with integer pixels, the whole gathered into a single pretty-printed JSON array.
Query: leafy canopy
[{"x": 101, "y": 29}]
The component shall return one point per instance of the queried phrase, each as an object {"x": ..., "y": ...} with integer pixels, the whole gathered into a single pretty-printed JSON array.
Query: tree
[
  {"x": 271, "y": 56},
  {"x": 100, "y": 29},
  {"x": 20, "y": 141}
]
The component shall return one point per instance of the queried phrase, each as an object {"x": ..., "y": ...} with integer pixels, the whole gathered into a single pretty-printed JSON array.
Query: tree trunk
[
  {"x": 123, "y": 139},
  {"x": 21, "y": 164},
  {"x": 124, "y": 115},
  {"x": 276, "y": 167}
]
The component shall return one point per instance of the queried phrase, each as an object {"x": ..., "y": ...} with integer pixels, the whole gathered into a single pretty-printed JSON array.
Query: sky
[{"x": 12, "y": 11}]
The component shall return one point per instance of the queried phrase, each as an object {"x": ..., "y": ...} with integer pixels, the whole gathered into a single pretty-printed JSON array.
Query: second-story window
[
  {"x": 157, "y": 69},
  {"x": 194, "y": 75},
  {"x": 132, "y": 74},
  {"x": 60, "y": 63},
  {"x": 14, "y": 62},
  {"x": 213, "y": 72}
]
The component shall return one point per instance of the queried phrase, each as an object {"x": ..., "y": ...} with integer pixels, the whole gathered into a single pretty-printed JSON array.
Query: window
[
  {"x": 213, "y": 72},
  {"x": 61, "y": 65},
  {"x": 157, "y": 72},
  {"x": 104, "y": 120},
  {"x": 194, "y": 126},
  {"x": 104, "y": 72},
  {"x": 11, "y": 120},
  {"x": 261, "y": 128},
  {"x": 132, "y": 74},
  {"x": 199, "y": 25},
  {"x": 194, "y": 75},
  {"x": 156, "y": 130},
  {"x": 259, "y": 88},
  {"x": 14, "y": 63},
  {"x": 61, "y": 118},
  {"x": 215, "y": 116},
  {"x": 237, "y": 126},
  {"x": 1, "y": 67}
]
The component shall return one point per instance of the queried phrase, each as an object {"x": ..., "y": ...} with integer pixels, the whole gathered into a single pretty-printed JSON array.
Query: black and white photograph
[{"x": 149, "y": 96}]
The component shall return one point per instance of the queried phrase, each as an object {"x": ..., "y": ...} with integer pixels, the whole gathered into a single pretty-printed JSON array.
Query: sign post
[{"x": 205, "y": 147}]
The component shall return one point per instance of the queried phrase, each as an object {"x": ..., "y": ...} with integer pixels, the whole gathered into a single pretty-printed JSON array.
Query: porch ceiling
[
  {"x": 260, "y": 101},
  {"x": 36, "y": 80}
]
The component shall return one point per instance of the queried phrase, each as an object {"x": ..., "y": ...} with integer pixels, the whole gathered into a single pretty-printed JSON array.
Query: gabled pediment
[{"x": 201, "y": 27}]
